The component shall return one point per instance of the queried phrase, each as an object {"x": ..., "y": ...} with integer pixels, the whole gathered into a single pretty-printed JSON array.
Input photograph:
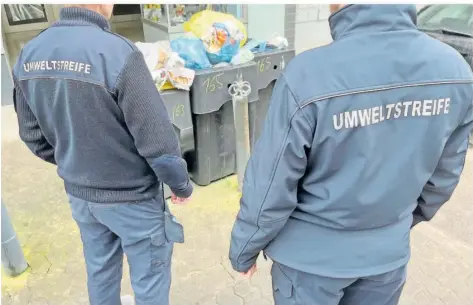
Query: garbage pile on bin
[
  {"x": 212, "y": 57},
  {"x": 212, "y": 40}
]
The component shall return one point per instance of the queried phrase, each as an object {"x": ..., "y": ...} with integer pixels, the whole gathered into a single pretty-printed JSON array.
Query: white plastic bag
[
  {"x": 179, "y": 76},
  {"x": 278, "y": 41},
  {"x": 156, "y": 54},
  {"x": 221, "y": 65},
  {"x": 167, "y": 68},
  {"x": 242, "y": 57},
  {"x": 159, "y": 77}
]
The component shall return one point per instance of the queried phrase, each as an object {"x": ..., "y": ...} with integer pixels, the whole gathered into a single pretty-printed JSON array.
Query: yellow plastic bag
[
  {"x": 167, "y": 86},
  {"x": 200, "y": 23}
]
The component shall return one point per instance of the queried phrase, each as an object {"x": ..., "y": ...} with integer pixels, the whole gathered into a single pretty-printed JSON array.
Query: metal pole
[
  {"x": 240, "y": 90},
  {"x": 13, "y": 260}
]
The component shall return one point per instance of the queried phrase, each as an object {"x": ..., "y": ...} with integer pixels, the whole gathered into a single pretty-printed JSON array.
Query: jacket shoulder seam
[
  {"x": 122, "y": 38},
  {"x": 298, "y": 107},
  {"x": 382, "y": 88},
  {"x": 68, "y": 78},
  {"x": 122, "y": 71}
]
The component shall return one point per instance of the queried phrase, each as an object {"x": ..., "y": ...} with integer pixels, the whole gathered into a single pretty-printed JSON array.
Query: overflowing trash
[
  {"x": 276, "y": 42},
  {"x": 167, "y": 68},
  {"x": 242, "y": 57},
  {"x": 212, "y": 40},
  {"x": 222, "y": 34},
  {"x": 192, "y": 50},
  {"x": 222, "y": 42},
  {"x": 202, "y": 22}
]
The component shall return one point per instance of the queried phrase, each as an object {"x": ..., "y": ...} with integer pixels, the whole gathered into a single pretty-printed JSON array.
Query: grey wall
[
  {"x": 7, "y": 83},
  {"x": 262, "y": 22},
  {"x": 311, "y": 26},
  {"x": 290, "y": 24}
]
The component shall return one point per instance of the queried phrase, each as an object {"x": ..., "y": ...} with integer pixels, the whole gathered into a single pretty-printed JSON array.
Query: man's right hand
[
  {"x": 248, "y": 274},
  {"x": 179, "y": 200}
]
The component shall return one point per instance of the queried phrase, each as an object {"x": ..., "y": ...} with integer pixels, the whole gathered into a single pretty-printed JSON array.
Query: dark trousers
[
  {"x": 108, "y": 232},
  {"x": 293, "y": 287}
]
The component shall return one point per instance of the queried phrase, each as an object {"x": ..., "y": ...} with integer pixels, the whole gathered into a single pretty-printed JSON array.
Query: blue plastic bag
[
  {"x": 192, "y": 51},
  {"x": 221, "y": 47},
  {"x": 256, "y": 46}
]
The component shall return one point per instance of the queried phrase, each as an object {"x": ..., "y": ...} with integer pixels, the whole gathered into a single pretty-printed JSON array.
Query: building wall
[
  {"x": 7, "y": 83},
  {"x": 311, "y": 26},
  {"x": 265, "y": 20},
  {"x": 304, "y": 25}
]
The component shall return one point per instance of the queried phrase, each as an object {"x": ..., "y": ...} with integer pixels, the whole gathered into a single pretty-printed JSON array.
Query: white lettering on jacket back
[
  {"x": 378, "y": 114},
  {"x": 58, "y": 65}
]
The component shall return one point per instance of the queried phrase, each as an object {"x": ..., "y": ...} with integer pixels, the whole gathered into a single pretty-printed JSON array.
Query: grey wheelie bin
[
  {"x": 178, "y": 106},
  {"x": 269, "y": 65},
  {"x": 214, "y": 130}
]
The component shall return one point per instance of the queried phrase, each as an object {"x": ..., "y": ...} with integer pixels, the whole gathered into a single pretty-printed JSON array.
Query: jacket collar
[
  {"x": 82, "y": 16},
  {"x": 360, "y": 18}
]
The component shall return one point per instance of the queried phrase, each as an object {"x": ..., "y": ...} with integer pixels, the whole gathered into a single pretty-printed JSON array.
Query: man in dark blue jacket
[
  {"x": 364, "y": 138},
  {"x": 86, "y": 102}
]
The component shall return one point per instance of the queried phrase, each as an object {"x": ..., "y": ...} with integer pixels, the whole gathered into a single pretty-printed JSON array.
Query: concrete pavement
[{"x": 440, "y": 273}]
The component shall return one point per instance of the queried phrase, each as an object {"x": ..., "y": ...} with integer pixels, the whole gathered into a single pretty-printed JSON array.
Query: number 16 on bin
[
  {"x": 212, "y": 83},
  {"x": 177, "y": 111}
]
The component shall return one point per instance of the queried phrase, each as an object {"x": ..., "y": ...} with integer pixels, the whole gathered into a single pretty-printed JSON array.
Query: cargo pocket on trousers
[
  {"x": 173, "y": 229},
  {"x": 161, "y": 251},
  {"x": 283, "y": 289}
]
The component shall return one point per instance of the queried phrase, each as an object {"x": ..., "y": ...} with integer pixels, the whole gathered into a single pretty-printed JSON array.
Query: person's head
[
  {"x": 103, "y": 9},
  {"x": 336, "y": 7}
]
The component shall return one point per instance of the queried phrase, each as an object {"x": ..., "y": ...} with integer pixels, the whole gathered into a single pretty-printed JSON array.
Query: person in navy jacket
[
  {"x": 364, "y": 138},
  {"x": 86, "y": 102}
]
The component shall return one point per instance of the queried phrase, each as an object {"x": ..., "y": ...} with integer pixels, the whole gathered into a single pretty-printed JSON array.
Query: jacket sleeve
[
  {"x": 30, "y": 132},
  {"x": 446, "y": 176},
  {"x": 148, "y": 122},
  {"x": 277, "y": 163}
]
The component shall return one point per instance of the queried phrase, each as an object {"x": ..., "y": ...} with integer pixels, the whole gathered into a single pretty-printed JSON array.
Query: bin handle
[{"x": 239, "y": 88}]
